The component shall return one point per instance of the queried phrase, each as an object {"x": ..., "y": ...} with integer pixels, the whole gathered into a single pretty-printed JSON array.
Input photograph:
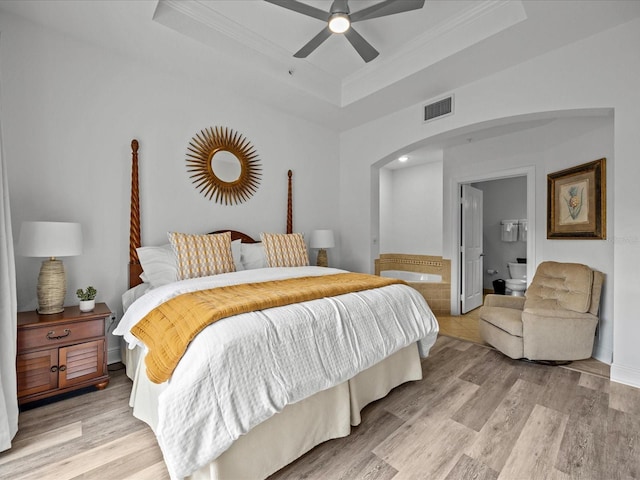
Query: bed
[{"x": 253, "y": 392}]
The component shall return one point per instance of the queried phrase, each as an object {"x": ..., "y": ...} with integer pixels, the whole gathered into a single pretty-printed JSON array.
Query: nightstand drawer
[{"x": 60, "y": 333}]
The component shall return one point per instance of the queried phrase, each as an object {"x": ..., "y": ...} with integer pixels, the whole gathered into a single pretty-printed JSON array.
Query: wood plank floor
[
  {"x": 465, "y": 327},
  {"x": 476, "y": 414}
]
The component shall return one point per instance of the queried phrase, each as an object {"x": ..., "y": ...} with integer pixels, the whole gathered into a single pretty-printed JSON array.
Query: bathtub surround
[
  {"x": 437, "y": 295},
  {"x": 411, "y": 276}
]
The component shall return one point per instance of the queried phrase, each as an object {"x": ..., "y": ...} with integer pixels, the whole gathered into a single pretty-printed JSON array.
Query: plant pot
[{"x": 87, "y": 305}]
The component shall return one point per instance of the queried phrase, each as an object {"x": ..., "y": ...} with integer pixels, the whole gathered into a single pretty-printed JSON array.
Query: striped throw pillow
[
  {"x": 285, "y": 250},
  {"x": 202, "y": 255}
]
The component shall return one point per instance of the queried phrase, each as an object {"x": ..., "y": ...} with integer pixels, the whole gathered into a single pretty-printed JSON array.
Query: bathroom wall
[
  {"x": 411, "y": 210},
  {"x": 503, "y": 199}
]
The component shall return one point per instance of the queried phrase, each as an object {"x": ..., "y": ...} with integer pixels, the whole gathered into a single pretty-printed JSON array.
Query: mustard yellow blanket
[{"x": 169, "y": 328}]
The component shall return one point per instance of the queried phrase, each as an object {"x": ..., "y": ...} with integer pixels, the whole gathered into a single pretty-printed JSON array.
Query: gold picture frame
[
  {"x": 236, "y": 176},
  {"x": 576, "y": 202}
]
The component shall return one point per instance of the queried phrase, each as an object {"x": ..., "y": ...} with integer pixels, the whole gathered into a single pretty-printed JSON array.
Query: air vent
[{"x": 438, "y": 109}]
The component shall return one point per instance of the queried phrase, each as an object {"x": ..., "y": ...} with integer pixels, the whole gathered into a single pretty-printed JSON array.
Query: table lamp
[
  {"x": 322, "y": 239},
  {"x": 50, "y": 239}
]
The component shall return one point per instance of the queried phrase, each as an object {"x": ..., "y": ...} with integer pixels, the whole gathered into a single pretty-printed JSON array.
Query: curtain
[{"x": 8, "y": 316}]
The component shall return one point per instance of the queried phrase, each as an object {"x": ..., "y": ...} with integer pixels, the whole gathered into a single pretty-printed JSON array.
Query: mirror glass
[{"x": 226, "y": 166}]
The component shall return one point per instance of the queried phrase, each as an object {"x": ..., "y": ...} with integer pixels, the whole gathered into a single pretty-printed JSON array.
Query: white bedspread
[{"x": 240, "y": 371}]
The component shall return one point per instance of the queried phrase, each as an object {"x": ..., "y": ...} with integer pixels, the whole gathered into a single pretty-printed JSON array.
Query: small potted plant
[{"x": 87, "y": 298}]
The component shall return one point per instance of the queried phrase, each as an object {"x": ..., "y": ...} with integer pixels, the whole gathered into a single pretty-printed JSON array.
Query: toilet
[{"x": 518, "y": 281}]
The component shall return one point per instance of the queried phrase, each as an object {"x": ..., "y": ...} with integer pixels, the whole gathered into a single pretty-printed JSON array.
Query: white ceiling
[
  {"x": 247, "y": 45},
  {"x": 409, "y": 41}
]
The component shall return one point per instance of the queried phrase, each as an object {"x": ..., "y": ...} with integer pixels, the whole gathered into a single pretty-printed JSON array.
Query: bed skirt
[{"x": 298, "y": 427}]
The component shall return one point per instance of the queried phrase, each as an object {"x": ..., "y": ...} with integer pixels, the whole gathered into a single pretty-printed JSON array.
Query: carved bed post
[
  {"x": 289, "y": 204},
  {"x": 135, "y": 269}
]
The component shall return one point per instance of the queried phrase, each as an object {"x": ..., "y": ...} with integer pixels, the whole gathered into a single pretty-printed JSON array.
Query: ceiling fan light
[{"x": 339, "y": 23}]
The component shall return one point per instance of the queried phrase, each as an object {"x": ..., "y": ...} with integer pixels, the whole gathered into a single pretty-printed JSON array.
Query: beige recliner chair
[{"x": 555, "y": 320}]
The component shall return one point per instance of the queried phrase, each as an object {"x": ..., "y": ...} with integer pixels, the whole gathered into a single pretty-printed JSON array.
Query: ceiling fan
[{"x": 339, "y": 19}]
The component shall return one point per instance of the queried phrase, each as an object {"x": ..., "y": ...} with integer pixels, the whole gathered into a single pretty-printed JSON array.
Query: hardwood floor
[
  {"x": 465, "y": 327},
  {"x": 476, "y": 414}
]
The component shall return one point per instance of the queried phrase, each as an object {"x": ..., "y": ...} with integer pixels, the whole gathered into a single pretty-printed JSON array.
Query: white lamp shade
[
  {"x": 322, "y": 239},
  {"x": 50, "y": 239}
]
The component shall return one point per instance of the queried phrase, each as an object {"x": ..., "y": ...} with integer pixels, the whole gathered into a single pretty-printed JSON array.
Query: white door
[{"x": 471, "y": 248}]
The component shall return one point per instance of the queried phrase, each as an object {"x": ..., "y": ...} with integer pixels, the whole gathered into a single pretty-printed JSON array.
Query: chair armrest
[
  {"x": 505, "y": 301},
  {"x": 556, "y": 314},
  {"x": 562, "y": 335}
]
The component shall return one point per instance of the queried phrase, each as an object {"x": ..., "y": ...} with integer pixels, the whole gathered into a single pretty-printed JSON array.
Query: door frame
[{"x": 455, "y": 224}]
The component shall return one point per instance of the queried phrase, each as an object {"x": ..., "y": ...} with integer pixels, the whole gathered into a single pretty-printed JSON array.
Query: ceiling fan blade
[
  {"x": 314, "y": 43},
  {"x": 364, "y": 48},
  {"x": 302, "y": 8},
  {"x": 388, "y": 7}
]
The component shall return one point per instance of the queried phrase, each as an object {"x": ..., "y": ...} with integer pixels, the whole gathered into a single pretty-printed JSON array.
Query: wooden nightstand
[{"x": 61, "y": 352}]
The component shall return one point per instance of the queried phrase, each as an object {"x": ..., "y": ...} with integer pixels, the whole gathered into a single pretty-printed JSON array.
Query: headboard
[
  {"x": 135, "y": 268},
  {"x": 235, "y": 235}
]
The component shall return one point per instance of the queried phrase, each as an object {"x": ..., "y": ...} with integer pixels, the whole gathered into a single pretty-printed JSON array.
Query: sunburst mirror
[{"x": 224, "y": 165}]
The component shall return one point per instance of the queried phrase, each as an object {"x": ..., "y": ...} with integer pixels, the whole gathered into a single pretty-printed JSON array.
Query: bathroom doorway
[
  {"x": 504, "y": 227},
  {"x": 523, "y": 185}
]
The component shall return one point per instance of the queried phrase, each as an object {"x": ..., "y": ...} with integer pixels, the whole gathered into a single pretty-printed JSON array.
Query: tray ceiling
[{"x": 247, "y": 46}]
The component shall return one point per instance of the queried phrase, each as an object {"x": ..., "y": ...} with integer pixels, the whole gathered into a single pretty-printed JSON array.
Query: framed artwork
[{"x": 576, "y": 202}]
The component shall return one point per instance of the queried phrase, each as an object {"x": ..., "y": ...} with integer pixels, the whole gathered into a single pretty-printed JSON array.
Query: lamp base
[
  {"x": 322, "y": 258},
  {"x": 52, "y": 287}
]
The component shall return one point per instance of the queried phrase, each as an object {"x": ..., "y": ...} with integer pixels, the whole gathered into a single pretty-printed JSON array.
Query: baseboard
[
  {"x": 603, "y": 354},
  {"x": 113, "y": 356},
  {"x": 627, "y": 375}
]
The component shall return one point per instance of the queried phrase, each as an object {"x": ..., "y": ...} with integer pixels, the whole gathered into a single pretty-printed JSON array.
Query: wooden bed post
[
  {"x": 135, "y": 269},
  {"x": 289, "y": 204}
]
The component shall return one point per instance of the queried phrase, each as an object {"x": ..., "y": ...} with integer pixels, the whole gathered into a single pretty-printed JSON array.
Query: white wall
[
  {"x": 600, "y": 73},
  {"x": 411, "y": 210},
  {"x": 386, "y": 210},
  {"x": 555, "y": 146},
  {"x": 69, "y": 113}
]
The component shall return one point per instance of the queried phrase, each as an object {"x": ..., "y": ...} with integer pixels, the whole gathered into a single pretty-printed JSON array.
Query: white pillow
[
  {"x": 159, "y": 264},
  {"x": 236, "y": 251},
  {"x": 253, "y": 256}
]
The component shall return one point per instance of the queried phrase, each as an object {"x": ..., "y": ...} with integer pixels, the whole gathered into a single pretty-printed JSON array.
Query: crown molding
[{"x": 461, "y": 31}]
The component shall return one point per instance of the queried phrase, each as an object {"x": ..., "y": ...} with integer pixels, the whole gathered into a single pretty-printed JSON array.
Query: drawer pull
[
  {"x": 54, "y": 369},
  {"x": 62, "y": 368},
  {"x": 51, "y": 334}
]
